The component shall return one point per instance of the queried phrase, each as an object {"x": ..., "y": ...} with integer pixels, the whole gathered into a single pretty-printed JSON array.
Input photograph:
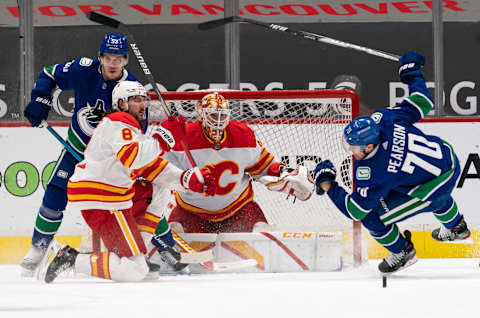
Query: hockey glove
[
  {"x": 325, "y": 171},
  {"x": 37, "y": 110},
  {"x": 291, "y": 181},
  {"x": 169, "y": 133},
  {"x": 190, "y": 181},
  {"x": 274, "y": 169},
  {"x": 411, "y": 65}
]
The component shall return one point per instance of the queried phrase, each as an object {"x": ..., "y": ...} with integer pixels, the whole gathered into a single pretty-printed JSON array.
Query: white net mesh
[{"x": 297, "y": 127}]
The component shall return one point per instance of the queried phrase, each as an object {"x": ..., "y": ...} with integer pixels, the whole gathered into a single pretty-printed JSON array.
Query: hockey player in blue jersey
[
  {"x": 399, "y": 172},
  {"x": 93, "y": 81}
]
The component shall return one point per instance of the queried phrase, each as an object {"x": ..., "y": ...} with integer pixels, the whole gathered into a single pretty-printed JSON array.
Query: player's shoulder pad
[
  {"x": 193, "y": 134},
  {"x": 241, "y": 134},
  {"x": 382, "y": 117},
  {"x": 125, "y": 118},
  {"x": 81, "y": 65}
]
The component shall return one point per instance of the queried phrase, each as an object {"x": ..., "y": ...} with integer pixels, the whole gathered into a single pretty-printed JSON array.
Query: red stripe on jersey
[
  {"x": 128, "y": 153},
  {"x": 219, "y": 215},
  {"x": 125, "y": 118},
  {"x": 152, "y": 169},
  {"x": 263, "y": 162},
  {"x": 148, "y": 222},
  {"x": 93, "y": 191}
]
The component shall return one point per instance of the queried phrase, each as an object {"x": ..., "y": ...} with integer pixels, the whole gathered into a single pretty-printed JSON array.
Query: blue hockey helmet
[
  {"x": 362, "y": 131},
  {"x": 114, "y": 43}
]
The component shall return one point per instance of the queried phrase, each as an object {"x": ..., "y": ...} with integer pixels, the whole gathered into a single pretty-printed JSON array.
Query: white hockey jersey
[
  {"x": 116, "y": 155},
  {"x": 238, "y": 157}
]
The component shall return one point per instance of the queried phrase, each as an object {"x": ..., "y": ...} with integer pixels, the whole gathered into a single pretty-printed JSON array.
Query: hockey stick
[
  {"x": 61, "y": 140},
  {"x": 210, "y": 265},
  {"x": 101, "y": 19},
  {"x": 306, "y": 35}
]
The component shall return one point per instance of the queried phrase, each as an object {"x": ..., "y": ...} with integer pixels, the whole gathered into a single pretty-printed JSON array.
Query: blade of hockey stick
[
  {"x": 216, "y": 23},
  {"x": 102, "y": 19},
  {"x": 192, "y": 258},
  {"x": 210, "y": 265},
  {"x": 303, "y": 34}
]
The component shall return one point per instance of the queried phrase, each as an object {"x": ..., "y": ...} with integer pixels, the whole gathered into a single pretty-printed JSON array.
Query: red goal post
[{"x": 297, "y": 127}]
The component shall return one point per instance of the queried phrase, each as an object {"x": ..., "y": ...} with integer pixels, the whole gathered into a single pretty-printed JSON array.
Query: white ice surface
[{"x": 430, "y": 288}]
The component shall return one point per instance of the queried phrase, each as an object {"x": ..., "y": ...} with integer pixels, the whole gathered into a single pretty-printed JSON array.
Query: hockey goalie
[{"x": 231, "y": 151}]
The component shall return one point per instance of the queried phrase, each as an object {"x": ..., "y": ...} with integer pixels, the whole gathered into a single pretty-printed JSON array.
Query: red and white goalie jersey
[
  {"x": 238, "y": 156},
  {"x": 116, "y": 155}
]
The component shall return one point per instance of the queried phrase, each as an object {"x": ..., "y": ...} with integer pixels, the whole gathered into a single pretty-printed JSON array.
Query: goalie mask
[
  {"x": 214, "y": 113},
  {"x": 124, "y": 90}
]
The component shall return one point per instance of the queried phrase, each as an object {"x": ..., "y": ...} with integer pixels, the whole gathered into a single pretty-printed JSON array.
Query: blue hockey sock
[
  {"x": 448, "y": 214},
  {"x": 46, "y": 226},
  {"x": 163, "y": 235},
  {"x": 391, "y": 239}
]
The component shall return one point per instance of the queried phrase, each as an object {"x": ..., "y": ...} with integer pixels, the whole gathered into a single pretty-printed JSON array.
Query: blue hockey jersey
[
  {"x": 92, "y": 93},
  {"x": 405, "y": 160}
]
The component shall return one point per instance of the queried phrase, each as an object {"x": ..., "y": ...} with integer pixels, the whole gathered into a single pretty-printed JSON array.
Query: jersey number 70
[{"x": 419, "y": 144}]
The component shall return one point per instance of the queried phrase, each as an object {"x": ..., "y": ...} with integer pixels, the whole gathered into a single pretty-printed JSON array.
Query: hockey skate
[
  {"x": 32, "y": 260},
  {"x": 64, "y": 259},
  {"x": 458, "y": 235},
  {"x": 398, "y": 261}
]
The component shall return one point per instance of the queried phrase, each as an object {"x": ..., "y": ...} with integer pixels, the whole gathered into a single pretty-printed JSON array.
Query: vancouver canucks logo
[
  {"x": 363, "y": 173},
  {"x": 88, "y": 117}
]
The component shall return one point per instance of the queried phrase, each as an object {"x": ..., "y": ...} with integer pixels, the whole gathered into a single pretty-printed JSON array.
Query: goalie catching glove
[
  {"x": 169, "y": 133},
  {"x": 292, "y": 181}
]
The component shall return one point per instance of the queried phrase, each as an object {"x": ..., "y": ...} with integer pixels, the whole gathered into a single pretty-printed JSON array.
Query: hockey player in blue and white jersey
[
  {"x": 399, "y": 172},
  {"x": 93, "y": 81}
]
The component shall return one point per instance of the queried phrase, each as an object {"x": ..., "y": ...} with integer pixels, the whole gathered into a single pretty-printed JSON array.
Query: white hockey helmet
[
  {"x": 214, "y": 113},
  {"x": 126, "y": 89}
]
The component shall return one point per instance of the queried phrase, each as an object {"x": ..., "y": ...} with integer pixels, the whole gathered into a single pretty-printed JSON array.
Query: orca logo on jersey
[
  {"x": 363, "y": 173},
  {"x": 377, "y": 117}
]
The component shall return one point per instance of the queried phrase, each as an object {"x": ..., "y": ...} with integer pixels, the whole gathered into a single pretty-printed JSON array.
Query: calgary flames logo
[{"x": 221, "y": 168}]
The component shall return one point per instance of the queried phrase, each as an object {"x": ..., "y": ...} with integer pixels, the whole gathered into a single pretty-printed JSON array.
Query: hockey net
[{"x": 298, "y": 128}]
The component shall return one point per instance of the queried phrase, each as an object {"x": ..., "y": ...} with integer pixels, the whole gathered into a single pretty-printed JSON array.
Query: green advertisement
[{"x": 22, "y": 178}]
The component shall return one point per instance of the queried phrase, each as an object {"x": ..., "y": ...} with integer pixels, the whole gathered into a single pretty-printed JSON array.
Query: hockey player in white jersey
[
  {"x": 102, "y": 187},
  {"x": 232, "y": 152}
]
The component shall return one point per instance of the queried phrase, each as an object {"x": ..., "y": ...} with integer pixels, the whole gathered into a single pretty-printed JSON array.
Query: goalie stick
[
  {"x": 303, "y": 34},
  {"x": 214, "y": 266},
  {"x": 102, "y": 19}
]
